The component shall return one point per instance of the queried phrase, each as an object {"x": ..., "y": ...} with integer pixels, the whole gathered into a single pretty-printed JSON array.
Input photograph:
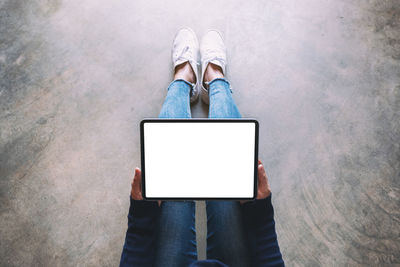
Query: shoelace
[
  {"x": 186, "y": 54},
  {"x": 213, "y": 54}
]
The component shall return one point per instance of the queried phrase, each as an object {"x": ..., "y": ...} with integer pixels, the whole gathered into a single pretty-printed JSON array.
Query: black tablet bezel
[{"x": 191, "y": 120}]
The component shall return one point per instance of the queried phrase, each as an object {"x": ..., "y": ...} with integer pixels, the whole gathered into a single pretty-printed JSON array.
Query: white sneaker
[
  {"x": 186, "y": 48},
  {"x": 212, "y": 50}
]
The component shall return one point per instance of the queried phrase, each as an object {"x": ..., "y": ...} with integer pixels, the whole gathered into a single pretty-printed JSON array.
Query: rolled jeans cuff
[
  {"x": 219, "y": 79},
  {"x": 182, "y": 80}
]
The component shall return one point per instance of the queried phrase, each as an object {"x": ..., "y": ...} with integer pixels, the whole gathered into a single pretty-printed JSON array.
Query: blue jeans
[{"x": 176, "y": 244}]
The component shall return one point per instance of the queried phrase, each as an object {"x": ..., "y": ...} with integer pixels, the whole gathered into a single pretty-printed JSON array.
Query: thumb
[
  {"x": 262, "y": 176},
  {"x": 137, "y": 180},
  {"x": 264, "y": 189}
]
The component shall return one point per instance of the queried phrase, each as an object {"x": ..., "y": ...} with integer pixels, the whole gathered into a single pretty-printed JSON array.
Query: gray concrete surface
[{"x": 322, "y": 77}]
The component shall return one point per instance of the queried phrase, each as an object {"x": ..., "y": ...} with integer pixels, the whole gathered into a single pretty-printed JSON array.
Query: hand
[
  {"x": 136, "y": 191},
  {"x": 263, "y": 188}
]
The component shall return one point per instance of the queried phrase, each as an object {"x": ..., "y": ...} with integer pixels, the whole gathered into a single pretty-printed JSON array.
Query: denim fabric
[
  {"x": 222, "y": 104},
  {"x": 177, "y": 103},
  {"x": 176, "y": 245},
  {"x": 176, "y": 238}
]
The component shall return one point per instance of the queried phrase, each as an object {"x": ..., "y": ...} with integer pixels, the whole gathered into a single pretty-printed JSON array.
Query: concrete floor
[{"x": 322, "y": 77}]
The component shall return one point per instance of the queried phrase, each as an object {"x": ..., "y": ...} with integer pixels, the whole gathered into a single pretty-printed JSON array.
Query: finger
[
  {"x": 263, "y": 187},
  {"x": 138, "y": 177},
  {"x": 259, "y": 162},
  {"x": 137, "y": 181},
  {"x": 262, "y": 176}
]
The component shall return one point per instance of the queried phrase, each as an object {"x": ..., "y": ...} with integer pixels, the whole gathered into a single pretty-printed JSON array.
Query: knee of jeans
[
  {"x": 224, "y": 210},
  {"x": 178, "y": 208}
]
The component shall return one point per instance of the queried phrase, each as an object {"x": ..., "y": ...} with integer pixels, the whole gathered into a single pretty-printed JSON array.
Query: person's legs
[
  {"x": 225, "y": 238},
  {"x": 222, "y": 104},
  {"x": 221, "y": 101},
  {"x": 176, "y": 245},
  {"x": 177, "y": 102}
]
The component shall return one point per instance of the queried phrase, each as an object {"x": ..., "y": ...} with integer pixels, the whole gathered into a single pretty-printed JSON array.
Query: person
[{"x": 163, "y": 233}]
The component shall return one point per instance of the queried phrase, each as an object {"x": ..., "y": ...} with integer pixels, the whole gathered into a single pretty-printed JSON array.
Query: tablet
[{"x": 199, "y": 159}]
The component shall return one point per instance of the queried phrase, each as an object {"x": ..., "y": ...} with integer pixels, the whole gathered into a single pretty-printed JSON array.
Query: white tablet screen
[{"x": 198, "y": 159}]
